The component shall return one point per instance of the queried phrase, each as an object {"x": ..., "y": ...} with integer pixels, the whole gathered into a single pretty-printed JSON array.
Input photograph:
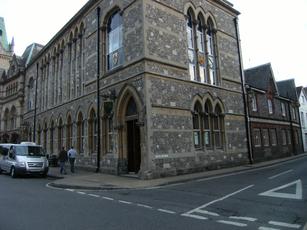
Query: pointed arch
[
  {"x": 189, "y": 7},
  {"x": 129, "y": 113},
  {"x": 196, "y": 98}
]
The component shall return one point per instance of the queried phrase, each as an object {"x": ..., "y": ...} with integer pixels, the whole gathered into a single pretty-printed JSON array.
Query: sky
[{"x": 272, "y": 31}]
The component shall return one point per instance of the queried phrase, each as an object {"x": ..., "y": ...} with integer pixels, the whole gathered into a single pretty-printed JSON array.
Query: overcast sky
[{"x": 271, "y": 30}]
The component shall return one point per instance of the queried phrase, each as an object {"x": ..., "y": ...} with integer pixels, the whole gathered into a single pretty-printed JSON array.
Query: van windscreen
[{"x": 30, "y": 151}]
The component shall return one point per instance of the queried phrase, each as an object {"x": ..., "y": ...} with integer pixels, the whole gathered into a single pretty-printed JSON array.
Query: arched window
[
  {"x": 218, "y": 127},
  {"x": 197, "y": 126},
  {"x": 69, "y": 133},
  {"x": 51, "y": 137},
  {"x": 6, "y": 120},
  {"x": 115, "y": 41},
  {"x": 92, "y": 129},
  {"x": 208, "y": 125},
  {"x": 31, "y": 93},
  {"x": 80, "y": 133},
  {"x": 211, "y": 54},
  {"x": 13, "y": 118},
  {"x": 191, "y": 47},
  {"x": 60, "y": 134},
  {"x": 201, "y": 49}
]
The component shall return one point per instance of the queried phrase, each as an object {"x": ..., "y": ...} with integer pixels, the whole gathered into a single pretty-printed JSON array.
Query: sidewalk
[{"x": 99, "y": 181}]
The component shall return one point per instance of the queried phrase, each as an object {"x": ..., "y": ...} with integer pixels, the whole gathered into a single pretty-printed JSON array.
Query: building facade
[
  {"x": 302, "y": 95},
  {"x": 12, "y": 86},
  {"x": 273, "y": 110},
  {"x": 170, "y": 91}
]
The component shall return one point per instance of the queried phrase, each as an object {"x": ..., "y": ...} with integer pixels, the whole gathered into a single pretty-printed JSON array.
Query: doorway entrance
[{"x": 133, "y": 138}]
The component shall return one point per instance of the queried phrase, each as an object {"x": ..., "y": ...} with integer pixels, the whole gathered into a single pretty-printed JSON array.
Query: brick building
[
  {"x": 169, "y": 84},
  {"x": 273, "y": 111}
]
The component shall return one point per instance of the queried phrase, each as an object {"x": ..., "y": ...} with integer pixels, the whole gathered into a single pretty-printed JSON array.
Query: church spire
[{"x": 3, "y": 37}]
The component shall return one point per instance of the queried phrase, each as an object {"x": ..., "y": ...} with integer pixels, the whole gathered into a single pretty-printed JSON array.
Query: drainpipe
[
  {"x": 35, "y": 102},
  {"x": 98, "y": 96},
  {"x": 247, "y": 120}
]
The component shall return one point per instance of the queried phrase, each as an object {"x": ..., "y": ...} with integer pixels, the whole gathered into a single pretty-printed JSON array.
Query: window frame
[
  {"x": 117, "y": 52},
  {"x": 202, "y": 50}
]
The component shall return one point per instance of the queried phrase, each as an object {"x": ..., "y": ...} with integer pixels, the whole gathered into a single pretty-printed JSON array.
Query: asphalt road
[{"x": 266, "y": 199}]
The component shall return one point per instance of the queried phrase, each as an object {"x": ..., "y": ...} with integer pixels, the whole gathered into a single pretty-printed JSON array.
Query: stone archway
[{"x": 130, "y": 132}]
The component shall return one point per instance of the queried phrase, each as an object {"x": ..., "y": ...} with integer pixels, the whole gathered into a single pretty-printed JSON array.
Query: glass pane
[
  {"x": 192, "y": 72},
  {"x": 202, "y": 73},
  {"x": 200, "y": 41},
  {"x": 190, "y": 38},
  {"x": 207, "y": 139},
  {"x": 196, "y": 138}
]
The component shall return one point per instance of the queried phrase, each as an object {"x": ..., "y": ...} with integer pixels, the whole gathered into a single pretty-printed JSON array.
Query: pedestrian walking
[
  {"x": 62, "y": 159},
  {"x": 72, "y": 157}
]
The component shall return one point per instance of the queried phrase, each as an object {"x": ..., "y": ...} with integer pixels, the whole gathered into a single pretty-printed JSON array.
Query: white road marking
[
  {"x": 166, "y": 211},
  {"x": 107, "y": 198},
  {"x": 144, "y": 206},
  {"x": 243, "y": 218},
  {"x": 207, "y": 213},
  {"x": 297, "y": 196},
  {"x": 94, "y": 195},
  {"x": 266, "y": 228},
  {"x": 81, "y": 193},
  {"x": 287, "y": 225},
  {"x": 232, "y": 223},
  {"x": 124, "y": 202},
  {"x": 220, "y": 199},
  {"x": 272, "y": 177},
  {"x": 70, "y": 190},
  {"x": 194, "y": 216}
]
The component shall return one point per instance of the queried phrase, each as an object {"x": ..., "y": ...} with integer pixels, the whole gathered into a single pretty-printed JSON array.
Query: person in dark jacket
[{"x": 62, "y": 159}]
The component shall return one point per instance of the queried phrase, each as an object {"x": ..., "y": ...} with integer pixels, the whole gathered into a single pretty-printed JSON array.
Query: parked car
[{"x": 23, "y": 158}]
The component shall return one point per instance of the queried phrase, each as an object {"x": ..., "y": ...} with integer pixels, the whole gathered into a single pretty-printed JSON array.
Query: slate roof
[
  {"x": 299, "y": 90},
  {"x": 287, "y": 89},
  {"x": 259, "y": 77},
  {"x": 30, "y": 52}
]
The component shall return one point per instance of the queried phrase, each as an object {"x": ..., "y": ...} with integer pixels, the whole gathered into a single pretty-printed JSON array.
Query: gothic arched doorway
[{"x": 133, "y": 137}]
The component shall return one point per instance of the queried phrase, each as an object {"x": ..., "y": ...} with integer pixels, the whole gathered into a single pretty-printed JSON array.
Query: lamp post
[{"x": 98, "y": 97}]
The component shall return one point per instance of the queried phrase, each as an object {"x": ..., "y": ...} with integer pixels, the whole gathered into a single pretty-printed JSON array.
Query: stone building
[
  {"x": 12, "y": 85},
  {"x": 302, "y": 95},
  {"x": 170, "y": 91},
  {"x": 273, "y": 111}
]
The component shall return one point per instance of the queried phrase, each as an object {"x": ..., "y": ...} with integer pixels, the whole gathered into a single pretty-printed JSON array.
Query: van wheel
[{"x": 13, "y": 173}]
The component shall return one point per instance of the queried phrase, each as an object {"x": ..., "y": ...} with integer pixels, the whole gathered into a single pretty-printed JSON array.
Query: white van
[{"x": 24, "y": 158}]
